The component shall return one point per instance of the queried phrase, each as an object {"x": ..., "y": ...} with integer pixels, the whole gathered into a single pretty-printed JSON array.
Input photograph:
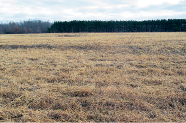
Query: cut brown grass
[{"x": 93, "y": 77}]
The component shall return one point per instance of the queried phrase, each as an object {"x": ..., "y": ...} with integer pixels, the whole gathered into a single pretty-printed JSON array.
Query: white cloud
[
  {"x": 16, "y": 10},
  {"x": 145, "y": 3},
  {"x": 163, "y": 13}
]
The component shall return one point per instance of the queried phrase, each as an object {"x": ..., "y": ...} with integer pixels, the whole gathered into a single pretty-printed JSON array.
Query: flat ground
[{"x": 77, "y": 77}]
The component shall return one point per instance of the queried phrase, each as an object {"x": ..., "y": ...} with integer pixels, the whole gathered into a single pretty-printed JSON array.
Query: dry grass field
[{"x": 97, "y": 77}]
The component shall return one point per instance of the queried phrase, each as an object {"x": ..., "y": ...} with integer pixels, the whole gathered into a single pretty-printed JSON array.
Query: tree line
[
  {"x": 38, "y": 26},
  {"x": 30, "y": 26},
  {"x": 170, "y": 25}
]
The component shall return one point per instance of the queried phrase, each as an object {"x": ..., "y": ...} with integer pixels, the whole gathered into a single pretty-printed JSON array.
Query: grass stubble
[{"x": 99, "y": 77}]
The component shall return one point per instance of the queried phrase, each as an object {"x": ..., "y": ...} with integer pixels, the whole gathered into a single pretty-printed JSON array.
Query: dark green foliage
[{"x": 170, "y": 25}]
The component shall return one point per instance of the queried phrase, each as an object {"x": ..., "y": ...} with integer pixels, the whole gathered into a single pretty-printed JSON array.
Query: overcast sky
[{"x": 67, "y": 10}]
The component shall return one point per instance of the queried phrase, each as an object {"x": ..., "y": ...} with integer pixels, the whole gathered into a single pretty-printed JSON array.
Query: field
[{"x": 115, "y": 77}]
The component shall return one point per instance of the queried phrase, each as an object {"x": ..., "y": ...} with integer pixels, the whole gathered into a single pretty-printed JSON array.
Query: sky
[{"x": 67, "y": 10}]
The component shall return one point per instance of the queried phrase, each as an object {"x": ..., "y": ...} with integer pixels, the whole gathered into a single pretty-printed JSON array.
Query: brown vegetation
[{"x": 113, "y": 77}]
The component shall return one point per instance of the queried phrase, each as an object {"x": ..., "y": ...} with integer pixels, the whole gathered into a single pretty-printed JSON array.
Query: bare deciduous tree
[
  {"x": 30, "y": 30},
  {"x": 24, "y": 30},
  {"x": 8, "y": 30},
  {"x": 16, "y": 29},
  {"x": 38, "y": 31},
  {"x": 31, "y": 26},
  {"x": 1, "y": 31}
]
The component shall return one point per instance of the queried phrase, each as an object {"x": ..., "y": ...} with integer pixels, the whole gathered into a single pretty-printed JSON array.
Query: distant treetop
[
  {"x": 35, "y": 26},
  {"x": 170, "y": 25}
]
